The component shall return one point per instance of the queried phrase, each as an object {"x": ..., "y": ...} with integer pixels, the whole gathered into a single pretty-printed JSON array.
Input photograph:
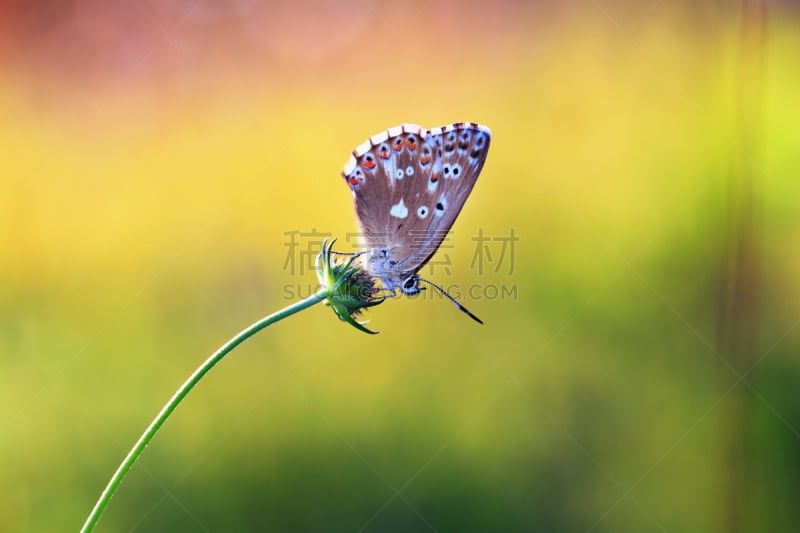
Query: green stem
[{"x": 176, "y": 399}]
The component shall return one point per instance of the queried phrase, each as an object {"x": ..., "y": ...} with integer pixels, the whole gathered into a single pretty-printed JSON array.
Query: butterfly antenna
[
  {"x": 456, "y": 302},
  {"x": 349, "y": 253}
]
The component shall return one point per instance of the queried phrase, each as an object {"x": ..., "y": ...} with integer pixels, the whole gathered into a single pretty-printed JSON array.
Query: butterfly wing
[
  {"x": 460, "y": 151},
  {"x": 409, "y": 186}
]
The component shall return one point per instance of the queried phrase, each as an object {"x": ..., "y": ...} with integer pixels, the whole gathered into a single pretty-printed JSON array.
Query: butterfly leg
[{"x": 392, "y": 292}]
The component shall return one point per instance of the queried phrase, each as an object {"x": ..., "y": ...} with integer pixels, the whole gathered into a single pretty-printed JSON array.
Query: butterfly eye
[
  {"x": 355, "y": 178},
  {"x": 441, "y": 206},
  {"x": 369, "y": 162},
  {"x": 410, "y": 285},
  {"x": 426, "y": 156},
  {"x": 463, "y": 142}
]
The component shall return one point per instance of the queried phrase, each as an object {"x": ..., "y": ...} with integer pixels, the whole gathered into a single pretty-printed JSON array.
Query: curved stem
[{"x": 176, "y": 399}]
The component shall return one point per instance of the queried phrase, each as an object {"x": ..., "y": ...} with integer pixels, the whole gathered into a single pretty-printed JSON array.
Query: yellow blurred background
[{"x": 638, "y": 368}]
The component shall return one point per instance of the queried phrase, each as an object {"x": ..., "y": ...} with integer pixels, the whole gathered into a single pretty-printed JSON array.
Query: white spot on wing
[
  {"x": 399, "y": 210},
  {"x": 350, "y": 166},
  {"x": 413, "y": 128},
  {"x": 394, "y": 132},
  {"x": 442, "y": 202},
  {"x": 409, "y": 171},
  {"x": 379, "y": 138},
  {"x": 422, "y": 212},
  {"x": 362, "y": 149},
  {"x": 485, "y": 130}
]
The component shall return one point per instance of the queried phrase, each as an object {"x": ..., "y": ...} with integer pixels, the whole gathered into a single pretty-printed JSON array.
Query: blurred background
[{"x": 168, "y": 168}]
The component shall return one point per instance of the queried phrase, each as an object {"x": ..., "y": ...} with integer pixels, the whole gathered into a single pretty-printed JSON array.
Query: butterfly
[{"x": 409, "y": 185}]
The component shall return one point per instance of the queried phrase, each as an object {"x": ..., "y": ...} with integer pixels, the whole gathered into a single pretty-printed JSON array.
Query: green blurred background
[{"x": 640, "y": 374}]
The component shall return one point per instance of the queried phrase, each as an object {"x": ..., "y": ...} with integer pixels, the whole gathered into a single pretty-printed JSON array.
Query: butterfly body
[{"x": 409, "y": 185}]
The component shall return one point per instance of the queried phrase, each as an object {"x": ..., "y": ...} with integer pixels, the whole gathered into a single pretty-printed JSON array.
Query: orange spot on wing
[
  {"x": 384, "y": 155},
  {"x": 353, "y": 181},
  {"x": 425, "y": 160},
  {"x": 368, "y": 164}
]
